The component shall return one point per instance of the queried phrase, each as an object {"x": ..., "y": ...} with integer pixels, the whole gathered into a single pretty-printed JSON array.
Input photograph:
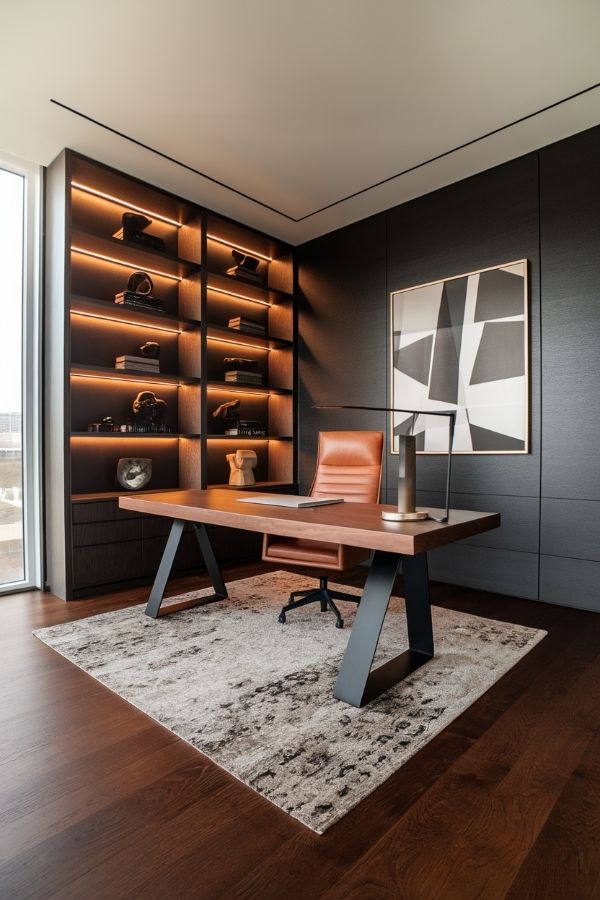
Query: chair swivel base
[{"x": 322, "y": 595}]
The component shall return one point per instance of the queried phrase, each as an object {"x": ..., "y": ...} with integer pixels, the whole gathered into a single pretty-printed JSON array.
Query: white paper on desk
[{"x": 290, "y": 500}]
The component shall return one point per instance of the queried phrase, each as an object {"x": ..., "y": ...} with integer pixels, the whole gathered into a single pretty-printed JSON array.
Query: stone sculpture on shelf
[
  {"x": 134, "y": 474},
  {"x": 241, "y": 464}
]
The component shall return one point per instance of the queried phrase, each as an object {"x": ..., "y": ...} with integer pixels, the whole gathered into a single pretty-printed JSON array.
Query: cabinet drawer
[
  {"x": 106, "y": 563},
  {"x": 106, "y": 532},
  {"x": 101, "y": 511}
]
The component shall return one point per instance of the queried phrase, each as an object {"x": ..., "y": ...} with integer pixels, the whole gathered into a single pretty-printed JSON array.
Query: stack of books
[
  {"x": 243, "y": 376},
  {"x": 247, "y": 326},
  {"x": 138, "y": 364},
  {"x": 139, "y": 301}
]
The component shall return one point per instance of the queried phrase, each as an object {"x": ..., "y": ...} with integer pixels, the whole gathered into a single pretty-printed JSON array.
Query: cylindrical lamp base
[{"x": 395, "y": 516}]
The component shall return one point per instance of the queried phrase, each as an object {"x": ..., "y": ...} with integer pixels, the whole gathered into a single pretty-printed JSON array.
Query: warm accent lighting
[
  {"x": 226, "y": 390},
  {"x": 107, "y": 436},
  {"x": 238, "y": 296},
  {"x": 126, "y": 265},
  {"x": 238, "y": 343},
  {"x": 219, "y": 240},
  {"x": 90, "y": 190},
  {"x": 87, "y": 315},
  {"x": 126, "y": 378}
]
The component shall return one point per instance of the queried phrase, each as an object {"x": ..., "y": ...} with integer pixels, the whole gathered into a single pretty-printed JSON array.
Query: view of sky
[{"x": 11, "y": 263}]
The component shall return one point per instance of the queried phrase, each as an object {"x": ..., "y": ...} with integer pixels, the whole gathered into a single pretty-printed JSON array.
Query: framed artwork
[{"x": 462, "y": 344}]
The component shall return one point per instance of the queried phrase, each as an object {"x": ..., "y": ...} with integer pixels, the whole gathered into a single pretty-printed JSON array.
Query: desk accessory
[
  {"x": 292, "y": 501},
  {"x": 407, "y": 481}
]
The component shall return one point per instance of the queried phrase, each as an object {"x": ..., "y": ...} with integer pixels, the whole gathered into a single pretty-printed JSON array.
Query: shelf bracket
[{"x": 153, "y": 608}]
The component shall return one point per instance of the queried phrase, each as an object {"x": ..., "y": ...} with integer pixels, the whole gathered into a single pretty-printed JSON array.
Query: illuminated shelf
[
  {"x": 103, "y": 373},
  {"x": 105, "y": 309},
  {"x": 239, "y": 437},
  {"x": 246, "y": 388},
  {"x": 130, "y": 255},
  {"x": 124, "y": 203},
  {"x": 240, "y": 289},
  {"x": 113, "y": 495},
  {"x": 243, "y": 249},
  {"x": 257, "y": 486},
  {"x": 233, "y": 336},
  {"x": 120, "y": 435}
]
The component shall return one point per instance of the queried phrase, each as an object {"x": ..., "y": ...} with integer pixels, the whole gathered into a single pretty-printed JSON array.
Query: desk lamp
[{"x": 407, "y": 471}]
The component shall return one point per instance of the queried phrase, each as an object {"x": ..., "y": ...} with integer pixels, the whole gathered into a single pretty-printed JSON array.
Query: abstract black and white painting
[{"x": 462, "y": 344}]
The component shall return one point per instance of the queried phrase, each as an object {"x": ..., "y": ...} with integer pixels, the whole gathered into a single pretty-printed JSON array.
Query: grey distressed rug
[{"x": 256, "y": 696}]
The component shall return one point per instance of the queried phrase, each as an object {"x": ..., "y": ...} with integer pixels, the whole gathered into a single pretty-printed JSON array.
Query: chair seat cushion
[{"x": 304, "y": 552}]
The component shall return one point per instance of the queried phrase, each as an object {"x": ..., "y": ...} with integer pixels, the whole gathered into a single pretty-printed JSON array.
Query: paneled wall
[
  {"x": 570, "y": 243},
  {"x": 544, "y": 207}
]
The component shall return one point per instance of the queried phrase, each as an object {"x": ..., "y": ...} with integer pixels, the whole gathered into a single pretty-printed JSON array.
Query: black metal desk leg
[
  {"x": 418, "y": 610},
  {"x": 356, "y": 683},
  {"x": 212, "y": 565},
  {"x": 164, "y": 570},
  {"x": 356, "y": 665}
]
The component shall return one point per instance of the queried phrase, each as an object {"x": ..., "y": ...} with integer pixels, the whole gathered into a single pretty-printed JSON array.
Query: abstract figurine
[{"x": 241, "y": 464}]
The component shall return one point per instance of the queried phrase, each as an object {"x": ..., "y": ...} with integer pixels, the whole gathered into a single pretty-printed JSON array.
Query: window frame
[{"x": 31, "y": 373}]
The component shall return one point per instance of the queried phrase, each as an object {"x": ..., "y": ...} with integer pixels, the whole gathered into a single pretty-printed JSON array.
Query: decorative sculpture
[
  {"x": 151, "y": 349},
  {"x": 134, "y": 474},
  {"x": 148, "y": 408},
  {"x": 226, "y": 411},
  {"x": 140, "y": 283},
  {"x": 241, "y": 464}
]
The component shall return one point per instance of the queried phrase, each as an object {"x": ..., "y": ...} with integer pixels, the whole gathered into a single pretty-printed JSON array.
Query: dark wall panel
[
  {"x": 342, "y": 333},
  {"x": 501, "y": 571},
  {"x": 570, "y": 582},
  {"x": 570, "y": 239},
  {"x": 520, "y": 518},
  {"x": 571, "y": 528}
]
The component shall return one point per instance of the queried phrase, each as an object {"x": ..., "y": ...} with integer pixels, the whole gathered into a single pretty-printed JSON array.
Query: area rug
[{"x": 256, "y": 696}]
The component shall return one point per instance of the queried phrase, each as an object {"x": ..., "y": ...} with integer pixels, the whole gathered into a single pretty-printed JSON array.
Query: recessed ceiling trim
[
  {"x": 351, "y": 196},
  {"x": 172, "y": 159}
]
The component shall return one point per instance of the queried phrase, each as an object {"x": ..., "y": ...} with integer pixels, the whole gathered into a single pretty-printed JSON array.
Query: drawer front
[
  {"x": 101, "y": 511},
  {"x": 87, "y": 535},
  {"x": 104, "y": 564}
]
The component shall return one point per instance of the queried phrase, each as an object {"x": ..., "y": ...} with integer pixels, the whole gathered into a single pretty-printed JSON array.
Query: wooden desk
[{"x": 355, "y": 524}]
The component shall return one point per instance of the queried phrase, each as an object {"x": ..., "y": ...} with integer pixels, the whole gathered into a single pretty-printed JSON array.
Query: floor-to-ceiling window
[{"x": 19, "y": 376}]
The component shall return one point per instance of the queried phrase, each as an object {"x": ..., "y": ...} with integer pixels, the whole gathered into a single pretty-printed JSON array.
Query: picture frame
[{"x": 462, "y": 343}]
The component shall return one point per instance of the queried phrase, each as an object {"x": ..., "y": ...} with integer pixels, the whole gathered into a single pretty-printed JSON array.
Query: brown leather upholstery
[{"x": 348, "y": 466}]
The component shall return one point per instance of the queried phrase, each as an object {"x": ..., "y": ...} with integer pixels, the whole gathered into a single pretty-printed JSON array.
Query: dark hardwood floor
[{"x": 98, "y": 801}]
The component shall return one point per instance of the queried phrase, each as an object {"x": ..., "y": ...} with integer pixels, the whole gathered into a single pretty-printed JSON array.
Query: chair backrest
[{"x": 349, "y": 465}]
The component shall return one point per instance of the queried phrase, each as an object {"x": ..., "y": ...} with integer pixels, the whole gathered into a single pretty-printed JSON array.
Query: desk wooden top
[{"x": 355, "y": 524}]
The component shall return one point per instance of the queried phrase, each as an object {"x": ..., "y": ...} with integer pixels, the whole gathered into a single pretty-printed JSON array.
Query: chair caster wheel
[
  {"x": 339, "y": 624},
  {"x": 281, "y": 618}
]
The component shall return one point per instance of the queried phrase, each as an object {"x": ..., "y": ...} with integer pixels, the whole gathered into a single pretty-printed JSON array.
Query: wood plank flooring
[{"x": 98, "y": 801}]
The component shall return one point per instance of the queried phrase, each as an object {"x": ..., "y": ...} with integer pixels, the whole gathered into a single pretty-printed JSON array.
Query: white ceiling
[{"x": 297, "y": 103}]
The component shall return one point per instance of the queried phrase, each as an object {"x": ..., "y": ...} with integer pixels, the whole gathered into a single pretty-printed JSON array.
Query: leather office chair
[{"x": 348, "y": 466}]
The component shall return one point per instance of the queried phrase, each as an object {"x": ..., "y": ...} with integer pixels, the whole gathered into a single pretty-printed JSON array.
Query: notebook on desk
[{"x": 290, "y": 500}]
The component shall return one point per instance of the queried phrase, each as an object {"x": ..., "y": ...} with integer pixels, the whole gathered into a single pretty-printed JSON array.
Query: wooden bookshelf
[{"x": 87, "y": 330}]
